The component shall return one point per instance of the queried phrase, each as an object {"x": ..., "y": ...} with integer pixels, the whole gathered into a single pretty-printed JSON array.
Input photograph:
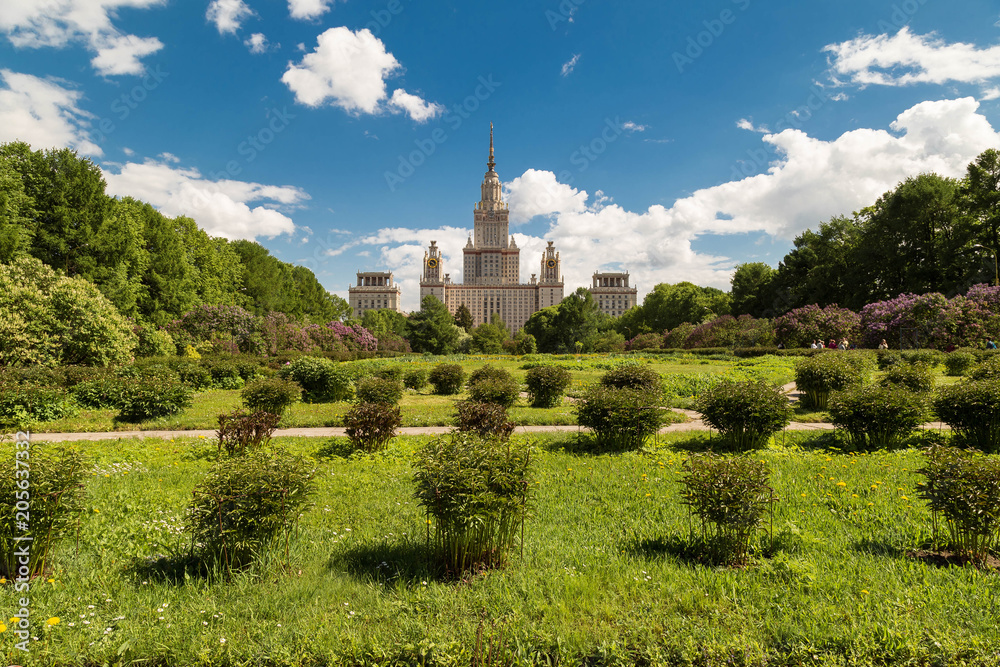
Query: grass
[{"x": 607, "y": 573}]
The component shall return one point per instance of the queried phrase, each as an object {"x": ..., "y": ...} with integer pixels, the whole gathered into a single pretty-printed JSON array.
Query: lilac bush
[
  {"x": 800, "y": 327},
  {"x": 729, "y": 331},
  {"x": 930, "y": 320}
]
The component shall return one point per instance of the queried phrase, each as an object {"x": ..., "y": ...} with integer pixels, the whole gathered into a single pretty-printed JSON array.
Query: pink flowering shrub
[
  {"x": 800, "y": 327},
  {"x": 729, "y": 331},
  {"x": 218, "y": 324},
  {"x": 928, "y": 320}
]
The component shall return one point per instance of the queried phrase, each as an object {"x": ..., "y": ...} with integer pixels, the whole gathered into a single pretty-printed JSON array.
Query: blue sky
[{"x": 670, "y": 139}]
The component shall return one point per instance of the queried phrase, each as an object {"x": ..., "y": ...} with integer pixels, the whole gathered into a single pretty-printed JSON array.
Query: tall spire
[{"x": 491, "y": 164}]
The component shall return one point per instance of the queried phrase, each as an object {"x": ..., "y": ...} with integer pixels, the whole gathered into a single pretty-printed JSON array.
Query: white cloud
[
  {"x": 257, "y": 43},
  {"x": 632, "y": 126},
  {"x": 58, "y": 23},
  {"x": 905, "y": 59},
  {"x": 43, "y": 113},
  {"x": 221, "y": 208},
  {"x": 745, "y": 124},
  {"x": 539, "y": 193},
  {"x": 811, "y": 181},
  {"x": 415, "y": 106},
  {"x": 348, "y": 69},
  {"x": 570, "y": 65},
  {"x": 228, "y": 15},
  {"x": 308, "y": 9}
]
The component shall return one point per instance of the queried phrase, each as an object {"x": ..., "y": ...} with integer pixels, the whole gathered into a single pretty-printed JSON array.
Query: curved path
[{"x": 695, "y": 424}]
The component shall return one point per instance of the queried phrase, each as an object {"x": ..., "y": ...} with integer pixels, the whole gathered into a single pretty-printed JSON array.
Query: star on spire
[{"x": 491, "y": 164}]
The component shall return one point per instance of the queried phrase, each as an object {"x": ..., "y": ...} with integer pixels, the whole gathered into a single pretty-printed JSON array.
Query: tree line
[{"x": 152, "y": 268}]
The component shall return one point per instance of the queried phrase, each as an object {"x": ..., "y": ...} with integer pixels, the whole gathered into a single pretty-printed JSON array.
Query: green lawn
[{"x": 605, "y": 574}]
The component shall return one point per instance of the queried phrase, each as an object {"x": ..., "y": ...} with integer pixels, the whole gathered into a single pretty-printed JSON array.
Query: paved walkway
[{"x": 695, "y": 424}]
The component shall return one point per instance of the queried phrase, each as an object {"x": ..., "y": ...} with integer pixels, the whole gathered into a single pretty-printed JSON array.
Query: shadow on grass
[
  {"x": 584, "y": 444},
  {"x": 876, "y": 547},
  {"x": 174, "y": 570},
  {"x": 695, "y": 550},
  {"x": 335, "y": 448},
  {"x": 386, "y": 562}
]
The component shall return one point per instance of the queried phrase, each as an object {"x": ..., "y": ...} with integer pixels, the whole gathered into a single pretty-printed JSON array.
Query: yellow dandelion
[
  {"x": 52, "y": 581},
  {"x": 905, "y": 498},
  {"x": 648, "y": 495},
  {"x": 3, "y": 628},
  {"x": 97, "y": 511},
  {"x": 870, "y": 504},
  {"x": 803, "y": 495},
  {"x": 854, "y": 495},
  {"x": 874, "y": 488},
  {"x": 841, "y": 483},
  {"x": 3, "y": 580},
  {"x": 14, "y": 619},
  {"x": 864, "y": 591},
  {"x": 53, "y": 621}
]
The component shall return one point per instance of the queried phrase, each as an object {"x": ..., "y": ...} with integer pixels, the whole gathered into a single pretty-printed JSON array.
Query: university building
[
  {"x": 612, "y": 293},
  {"x": 375, "y": 291},
  {"x": 492, "y": 266}
]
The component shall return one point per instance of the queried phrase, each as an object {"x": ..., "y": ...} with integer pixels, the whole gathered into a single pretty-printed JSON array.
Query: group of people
[{"x": 832, "y": 344}]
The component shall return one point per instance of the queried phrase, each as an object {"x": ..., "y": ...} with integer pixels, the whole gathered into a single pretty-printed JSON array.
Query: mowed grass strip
[{"x": 607, "y": 572}]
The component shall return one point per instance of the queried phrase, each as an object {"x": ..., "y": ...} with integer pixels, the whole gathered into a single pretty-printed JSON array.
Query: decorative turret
[{"x": 491, "y": 189}]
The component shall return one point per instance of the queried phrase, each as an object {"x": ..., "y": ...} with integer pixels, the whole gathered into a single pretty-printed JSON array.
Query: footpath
[{"x": 695, "y": 423}]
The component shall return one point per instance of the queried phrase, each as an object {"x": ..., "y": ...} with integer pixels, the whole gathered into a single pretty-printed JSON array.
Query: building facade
[
  {"x": 375, "y": 290},
  {"x": 612, "y": 293},
  {"x": 491, "y": 264}
]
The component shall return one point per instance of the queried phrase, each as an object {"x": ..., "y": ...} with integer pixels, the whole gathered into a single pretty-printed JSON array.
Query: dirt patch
[{"x": 950, "y": 559}]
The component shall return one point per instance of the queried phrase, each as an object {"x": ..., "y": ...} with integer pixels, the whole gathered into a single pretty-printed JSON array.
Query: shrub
[
  {"x": 674, "y": 338},
  {"x": 194, "y": 375},
  {"x": 972, "y": 410},
  {"x": 244, "y": 503},
  {"x": 959, "y": 362},
  {"x": 873, "y": 417},
  {"x": 22, "y": 404},
  {"x": 240, "y": 432},
  {"x": 370, "y": 426},
  {"x": 493, "y": 385},
  {"x": 799, "y": 327},
  {"x": 620, "y": 418},
  {"x": 988, "y": 369},
  {"x": 546, "y": 385},
  {"x": 378, "y": 390},
  {"x": 447, "y": 379},
  {"x": 728, "y": 332},
  {"x": 487, "y": 420},
  {"x": 321, "y": 379},
  {"x": 915, "y": 377},
  {"x": 475, "y": 492},
  {"x": 154, "y": 342},
  {"x": 730, "y": 496},
  {"x": 48, "y": 319},
  {"x": 54, "y": 496},
  {"x": 888, "y": 358},
  {"x": 746, "y": 413},
  {"x": 964, "y": 487},
  {"x": 415, "y": 379},
  {"x": 225, "y": 374},
  {"x": 394, "y": 373},
  {"x": 633, "y": 376},
  {"x": 819, "y": 375},
  {"x": 150, "y": 397},
  {"x": 646, "y": 341}
]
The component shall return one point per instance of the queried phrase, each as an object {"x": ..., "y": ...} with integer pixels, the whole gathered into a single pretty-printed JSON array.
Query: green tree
[
  {"x": 751, "y": 289},
  {"x": 432, "y": 328},
  {"x": 463, "y": 318},
  {"x": 669, "y": 305},
  {"x": 911, "y": 240},
  {"x": 980, "y": 198},
  {"x": 577, "y": 319},
  {"x": 16, "y": 211},
  {"x": 820, "y": 269},
  {"x": 384, "y": 321},
  {"x": 489, "y": 338}
]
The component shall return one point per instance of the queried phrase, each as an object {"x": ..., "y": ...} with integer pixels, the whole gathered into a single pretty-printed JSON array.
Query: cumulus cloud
[
  {"x": 811, "y": 181},
  {"x": 257, "y": 43},
  {"x": 58, "y": 23},
  {"x": 43, "y": 113},
  {"x": 348, "y": 69},
  {"x": 415, "y": 106},
  {"x": 745, "y": 124},
  {"x": 904, "y": 58},
  {"x": 632, "y": 126},
  {"x": 308, "y": 9},
  {"x": 228, "y": 15},
  {"x": 222, "y": 208},
  {"x": 570, "y": 65}
]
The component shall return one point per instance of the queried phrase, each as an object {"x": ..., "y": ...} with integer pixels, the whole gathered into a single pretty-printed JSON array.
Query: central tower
[{"x": 491, "y": 257}]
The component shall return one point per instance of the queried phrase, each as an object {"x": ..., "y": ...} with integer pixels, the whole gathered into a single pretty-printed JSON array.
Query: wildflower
[
  {"x": 3, "y": 628},
  {"x": 53, "y": 621},
  {"x": 841, "y": 483},
  {"x": 97, "y": 511},
  {"x": 222, "y": 640},
  {"x": 864, "y": 591}
]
